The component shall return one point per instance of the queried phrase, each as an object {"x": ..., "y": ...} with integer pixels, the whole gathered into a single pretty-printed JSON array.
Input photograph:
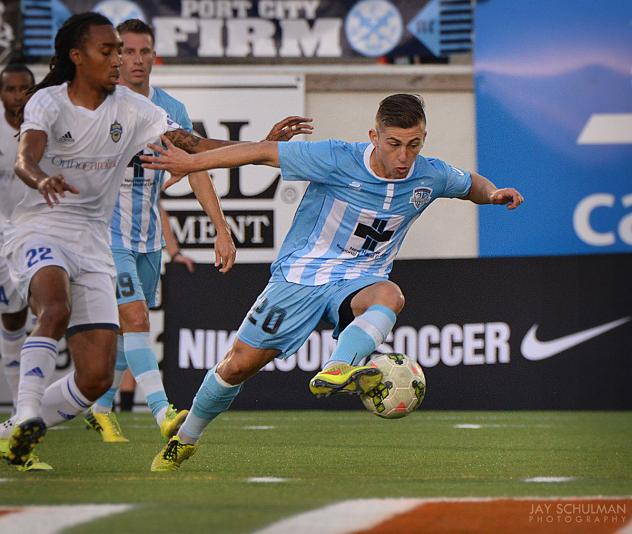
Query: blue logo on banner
[
  {"x": 554, "y": 119},
  {"x": 444, "y": 27},
  {"x": 373, "y": 27}
]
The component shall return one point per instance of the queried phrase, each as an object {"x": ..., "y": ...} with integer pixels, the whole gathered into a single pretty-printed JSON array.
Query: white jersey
[
  {"x": 91, "y": 150},
  {"x": 12, "y": 189}
]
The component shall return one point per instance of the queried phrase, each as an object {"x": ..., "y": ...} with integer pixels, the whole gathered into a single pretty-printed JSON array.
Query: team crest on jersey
[
  {"x": 421, "y": 196},
  {"x": 115, "y": 131}
]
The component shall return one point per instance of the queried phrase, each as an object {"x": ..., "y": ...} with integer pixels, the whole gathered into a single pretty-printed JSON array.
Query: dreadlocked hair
[{"x": 72, "y": 34}]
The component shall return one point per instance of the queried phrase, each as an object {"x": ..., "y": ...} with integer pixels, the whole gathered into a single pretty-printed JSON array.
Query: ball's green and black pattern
[
  {"x": 401, "y": 390},
  {"x": 377, "y": 395}
]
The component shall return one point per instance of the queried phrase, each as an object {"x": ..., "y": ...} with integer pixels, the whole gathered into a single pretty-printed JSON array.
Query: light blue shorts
[
  {"x": 285, "y": 314},
  {"x": 137, "y": 275}
]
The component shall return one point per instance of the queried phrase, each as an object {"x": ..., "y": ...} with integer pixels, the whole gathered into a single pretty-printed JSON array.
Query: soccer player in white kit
[
  {"x": 15, "y": 80},
  {"x": 79, "y": 133}
]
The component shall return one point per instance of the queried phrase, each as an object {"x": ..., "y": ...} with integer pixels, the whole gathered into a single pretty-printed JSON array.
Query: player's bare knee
[
  {"x": 52, "y": 320},
  {"x": 136, "y": 323},
  {"x": 236, "y": 367},
  {"x": 392, "y": 297},
  {"x": 400, "y": 301},
  {"x": 95, "y": 381},
  {"x": 135, "y": 320}
]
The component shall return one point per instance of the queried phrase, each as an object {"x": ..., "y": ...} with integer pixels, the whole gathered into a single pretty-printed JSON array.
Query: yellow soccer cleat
[
  {"x": 23, "y": 440},
  {"x": 106, "y": 424},
  {"x": 172, "y": 455},
  {"x": 33, "y": 463},
  {"x": 344, "y": 378},
  {"x": 172, "y": 422}
]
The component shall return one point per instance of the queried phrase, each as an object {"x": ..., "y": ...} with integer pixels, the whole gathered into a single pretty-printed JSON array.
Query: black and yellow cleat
[
  {"x": 26, "y": 435},
  {"x": 106, "y": 424},
  {"x": 344, "y": 378},
  {"x": 172, "y": 455}
]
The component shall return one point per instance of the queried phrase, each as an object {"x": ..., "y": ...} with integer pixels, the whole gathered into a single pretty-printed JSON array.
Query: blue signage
[
  {"x": 554, "y": 118},
  {"x": 444, "y": 26}
]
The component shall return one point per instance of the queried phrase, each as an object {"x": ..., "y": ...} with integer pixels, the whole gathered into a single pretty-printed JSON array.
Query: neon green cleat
[
  {"x": 106, "y": 424},
  {"x": 172, "y": 455},
  {"x": 33, "y": 463},
  {"x": 344, "y": 378},
  {"x": 172, "y": 422},
  {"x": 23, "y": 440}
]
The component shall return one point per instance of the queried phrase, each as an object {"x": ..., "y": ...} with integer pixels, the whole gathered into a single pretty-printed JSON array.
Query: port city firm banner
[
  {"x": 554, "y": 118},
  {"x": 503, "y": 333},
  {"x": 280, "y": 30}
]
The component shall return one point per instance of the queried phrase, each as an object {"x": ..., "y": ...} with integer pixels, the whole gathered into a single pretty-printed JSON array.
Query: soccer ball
[{"x": 402, "y": 389}]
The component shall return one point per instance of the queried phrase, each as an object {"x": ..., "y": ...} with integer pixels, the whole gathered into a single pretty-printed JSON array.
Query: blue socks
[
  {"x": 142, "y": 362},
  {"x": 363, "y": 335},
  {"x": 214, "y": 397}
]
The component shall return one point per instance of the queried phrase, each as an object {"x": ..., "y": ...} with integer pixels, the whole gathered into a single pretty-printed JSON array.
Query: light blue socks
[
  {"x": 363, "y": 335},
  {"x": 214, "y": 397}
]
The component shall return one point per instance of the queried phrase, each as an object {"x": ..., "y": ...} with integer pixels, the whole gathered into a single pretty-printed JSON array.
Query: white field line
[
  {"x": 268, "y": 480},
  {"x": 548, "y": 480},
  {"x": 346, "y": 517},
  {"x": 53, "y": 519}
]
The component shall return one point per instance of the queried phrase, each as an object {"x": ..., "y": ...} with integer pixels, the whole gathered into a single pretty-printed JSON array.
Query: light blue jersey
[
  {"x": 351, "y": 223},
  {"x": 136, "y": 219}
]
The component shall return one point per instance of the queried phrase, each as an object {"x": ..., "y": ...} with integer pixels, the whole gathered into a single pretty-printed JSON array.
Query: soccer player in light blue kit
[{"x": 334, "y": 264}]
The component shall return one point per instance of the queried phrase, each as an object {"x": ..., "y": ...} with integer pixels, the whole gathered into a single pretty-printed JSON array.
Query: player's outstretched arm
[
  {"x": 204, "y": 191},
  {"x": 30, "y": 152},
  {"x": 179, "y": 163},
  {"x": 283, "y": 130},
  {"x": 483, "y": 191}
]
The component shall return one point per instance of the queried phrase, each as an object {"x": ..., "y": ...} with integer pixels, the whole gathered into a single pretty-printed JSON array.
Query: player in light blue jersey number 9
[
  {"x": 334, "y": 263},
  {"x": 137, "y": 242}
]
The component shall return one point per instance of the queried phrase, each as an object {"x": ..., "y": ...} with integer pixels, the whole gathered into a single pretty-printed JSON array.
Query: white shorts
[
  {"x": 11, "y": 300},
  {"x": 92, "y": 284}
]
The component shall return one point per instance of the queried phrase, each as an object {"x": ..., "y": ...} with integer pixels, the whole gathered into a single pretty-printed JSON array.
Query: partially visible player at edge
[
  {"x": 15, "y": 80},
  {"x": 335, "y": 261},
  {"x": 80, "y": 131},
  {"x": 137, "y": 248}
]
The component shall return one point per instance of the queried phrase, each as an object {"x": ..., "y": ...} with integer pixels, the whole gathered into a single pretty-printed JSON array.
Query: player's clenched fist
[
  {"x": 51, "y": 186},
  {"x": 508, "y": 195}
]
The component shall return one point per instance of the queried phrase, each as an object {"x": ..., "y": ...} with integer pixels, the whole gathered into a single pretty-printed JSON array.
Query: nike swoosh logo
[{"x": 535, "y": 350}]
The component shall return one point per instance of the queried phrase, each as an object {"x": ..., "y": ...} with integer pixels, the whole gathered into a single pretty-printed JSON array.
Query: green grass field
[{"x": 325, "y": 457}]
